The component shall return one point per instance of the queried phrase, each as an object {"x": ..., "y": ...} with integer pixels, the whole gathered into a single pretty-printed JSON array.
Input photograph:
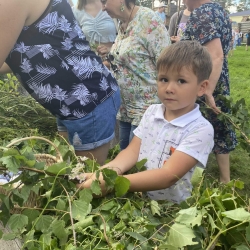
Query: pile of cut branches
[
  {"x": 21, "y": 115},
  {"x": 216, "y": 216}
]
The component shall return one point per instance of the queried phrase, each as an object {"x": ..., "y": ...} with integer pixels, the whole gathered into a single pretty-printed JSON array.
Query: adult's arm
[
  {"x": 215, "y": 50},
  {"x": 13, "y": 15},
  {"x": 172, "y": 24}
]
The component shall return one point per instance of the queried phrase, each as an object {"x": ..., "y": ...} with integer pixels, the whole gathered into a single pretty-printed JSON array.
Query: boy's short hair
[{"x": 190, "y": 54}]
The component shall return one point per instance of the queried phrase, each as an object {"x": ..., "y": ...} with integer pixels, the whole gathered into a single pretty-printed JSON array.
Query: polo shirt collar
[{"x": 181, "y": 121}]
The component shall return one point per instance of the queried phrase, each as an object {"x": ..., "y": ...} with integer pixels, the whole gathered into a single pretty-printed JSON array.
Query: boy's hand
[{"x": 90, "y": 177}]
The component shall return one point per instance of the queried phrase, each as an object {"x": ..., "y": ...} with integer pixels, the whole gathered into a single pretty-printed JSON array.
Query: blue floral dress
[{"x": 206, "y": 23}]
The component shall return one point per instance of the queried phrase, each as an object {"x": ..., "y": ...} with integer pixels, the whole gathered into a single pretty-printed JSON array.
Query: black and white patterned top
[{"x": 53, "y": 61}]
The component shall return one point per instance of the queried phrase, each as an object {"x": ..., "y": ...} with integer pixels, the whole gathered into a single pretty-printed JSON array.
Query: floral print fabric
[
  {"x": 135, "y": 53},
  {"x": 53, "y": 60},
  {"x": 206, "y": 23}
]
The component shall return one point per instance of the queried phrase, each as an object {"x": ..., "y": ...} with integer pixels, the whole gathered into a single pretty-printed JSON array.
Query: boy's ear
[{"x": 202, "y": 88}]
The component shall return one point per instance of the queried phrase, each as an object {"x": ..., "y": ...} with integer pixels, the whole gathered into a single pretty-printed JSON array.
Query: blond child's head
[
  {"x": 189, "y": 54},
  {"x": 183, "y": 72}
]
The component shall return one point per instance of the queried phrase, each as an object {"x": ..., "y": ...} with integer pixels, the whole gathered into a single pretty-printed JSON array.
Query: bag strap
[
  {"x": 178, "y": 21},
  {"x": 116, "y": 24}
]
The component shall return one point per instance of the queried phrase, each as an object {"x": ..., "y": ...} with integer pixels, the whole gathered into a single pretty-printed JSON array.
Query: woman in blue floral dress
[{"x": 210, "y": 25}]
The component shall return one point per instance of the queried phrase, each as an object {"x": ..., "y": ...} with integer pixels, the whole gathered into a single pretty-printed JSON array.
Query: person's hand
[
  {"x": 106, "y": 63},
  {"x": 175, "y": 39},
  {"x": 102, "y": 50},
  {"x": 211, "y": 103},
  {"x": 89, "y": 178}
]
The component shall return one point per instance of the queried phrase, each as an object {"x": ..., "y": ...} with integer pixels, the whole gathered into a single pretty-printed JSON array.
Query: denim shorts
[{"x": 96, "y": 128}]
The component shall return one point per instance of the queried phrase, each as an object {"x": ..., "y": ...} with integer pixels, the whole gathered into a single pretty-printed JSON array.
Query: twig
[
  {"x": 237, "y": 127},
  {"x": 104, "y": 229},
  {"x": 150, "y": 236},
  {"x": 59, "y": 156},
  {"x": 232, "y": 122},
  {"x": 37, "y": 171},
  {"x": 70, "y": 214},
  {"x": 213, "y": 242}
]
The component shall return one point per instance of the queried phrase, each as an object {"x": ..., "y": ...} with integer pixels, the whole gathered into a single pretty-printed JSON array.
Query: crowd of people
[
  {"x": 100, "y": 61},
  {"x": 237, "y": 39}
]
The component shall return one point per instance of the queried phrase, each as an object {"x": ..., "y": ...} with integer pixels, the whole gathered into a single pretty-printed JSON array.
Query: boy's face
[{"x": 178, "y": 91}]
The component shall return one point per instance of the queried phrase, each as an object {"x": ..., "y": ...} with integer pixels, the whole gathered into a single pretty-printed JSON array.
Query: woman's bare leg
[
  {"x": 99, "y": 154},
  {"x": 224, "y": 167}
]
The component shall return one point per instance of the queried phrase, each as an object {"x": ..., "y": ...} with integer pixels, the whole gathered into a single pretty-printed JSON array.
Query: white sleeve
[{"x": 199, "y": 142}]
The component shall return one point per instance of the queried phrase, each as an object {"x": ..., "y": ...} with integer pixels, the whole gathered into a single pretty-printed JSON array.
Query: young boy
[{"x": 173, "y": 136}]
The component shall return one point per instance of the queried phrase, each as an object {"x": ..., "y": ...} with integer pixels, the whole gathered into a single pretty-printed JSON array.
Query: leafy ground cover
[
  {"x": 240, "y": 88},
  {"x": 61, "y": 217}
]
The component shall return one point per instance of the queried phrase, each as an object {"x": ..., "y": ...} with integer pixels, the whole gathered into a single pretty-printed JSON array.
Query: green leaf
[
  {"x": 11, "y": 152},
  {"x": 86, "y": 195},
  {"x": 9, "y": 236},
  {"x": 137, "y": 236},
  {"x": 140, "y": 164},
  {"x": 25, "y": 162},
  {"x": 236, "y": 183},
  {"x": 58, "y": 168},
  {"x": 28, "y": 239},
  {"x": 107, "y": 206},
  {"x": 45, "y": 239},
  {"x": 238, "y": 214},
  {"x": 211, "y": 222},
  {"x": 197, "y": 176},
  {"x": 248, "y": 233},
  {"x": 71, "y": 247},
  {"x": 11, "y": 163},
  {"x": 32, "y": 214},
  {"x": 58, "y": 228},
  {"x": 80, "y": 209},
  {"x": 17, "y": 222},
  {"x": 168, "y": 247},
  {"x": 43, "y": 223},
  {"x": 154, "y": 206},
  {"x": 122, "y": 185},
  {"x": 25, "y": 192},
  {"x": 190, "y": 216},
  {"x": 242, "y": 247},
  {"x": 109, "y": 177},
  {"x": 95, "y": 187},
  {"x": 88, "y": 221},
  {"x": 36, "y": 188},
  {"x": 180, "y": 236},
  {"x": 61, "y": 204}
]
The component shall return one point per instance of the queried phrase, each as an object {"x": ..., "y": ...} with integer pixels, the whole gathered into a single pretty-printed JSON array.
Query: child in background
[{"x": 173, "y": 136}]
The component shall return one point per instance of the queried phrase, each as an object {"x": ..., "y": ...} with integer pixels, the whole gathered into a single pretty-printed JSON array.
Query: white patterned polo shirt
[{"x": 190, "y": 133}]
